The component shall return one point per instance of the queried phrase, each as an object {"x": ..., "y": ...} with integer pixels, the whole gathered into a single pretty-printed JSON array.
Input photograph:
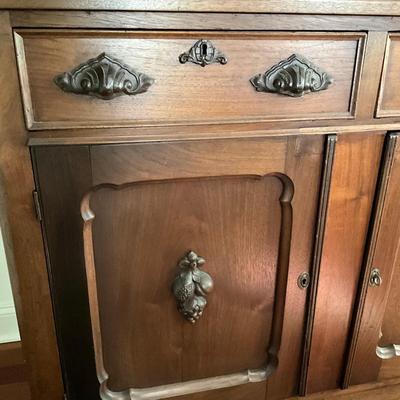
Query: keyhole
[
  {"x": 303, "y": 280},
  {"x": 203, "y": 50}
]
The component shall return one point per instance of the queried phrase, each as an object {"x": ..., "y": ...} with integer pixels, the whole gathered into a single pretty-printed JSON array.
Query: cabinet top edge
[{"x": 339, "y": 7}]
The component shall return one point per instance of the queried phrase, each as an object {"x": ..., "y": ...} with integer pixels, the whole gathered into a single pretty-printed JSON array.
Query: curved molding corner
[{"x": 205, "y": 384}]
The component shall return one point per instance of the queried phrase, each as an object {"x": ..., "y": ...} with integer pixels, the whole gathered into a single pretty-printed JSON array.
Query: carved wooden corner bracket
[
  {"x": 103, "y": 77},
  {"x": 295, "y": 77}
]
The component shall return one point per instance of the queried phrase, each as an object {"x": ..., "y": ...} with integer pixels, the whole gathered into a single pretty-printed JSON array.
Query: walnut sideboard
[{"x": 201, "y": 199}]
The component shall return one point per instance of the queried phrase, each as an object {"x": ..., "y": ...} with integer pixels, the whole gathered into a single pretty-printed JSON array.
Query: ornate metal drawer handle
[
  {"x": 191, "y": 287},
  {"x": 103, "y": 77},
  {"x": 375, "y": 279},
  {"x": 295, "y": 76},
  {"x": 203, "y": 53}
]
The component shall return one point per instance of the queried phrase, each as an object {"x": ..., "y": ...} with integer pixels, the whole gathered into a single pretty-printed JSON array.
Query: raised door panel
[
  {"x": 145, "y": 207},
  {"x": 377, "y": 330},
  {"x": 353, "y": 182},
  {"x": 231, "y": 202}
]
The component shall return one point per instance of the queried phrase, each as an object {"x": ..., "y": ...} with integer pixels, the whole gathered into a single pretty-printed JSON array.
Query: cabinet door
[
  {"x": 160, "y": 223},
  {"x": 376, "y": 338}
]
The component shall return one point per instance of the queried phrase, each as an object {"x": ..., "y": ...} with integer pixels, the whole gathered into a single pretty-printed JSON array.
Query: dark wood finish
[
  {"x": 44, "y": 54},
  {"x": 22, "y": 236},
  {"x": 354, "y": 176},
  {"x": 121, "y": 164},
  {"x": 211, "y": 123},
  {"x": 63, "y": 176},
  {"x": 382, "y": 253},
  {"x": 13, "y": 367}
]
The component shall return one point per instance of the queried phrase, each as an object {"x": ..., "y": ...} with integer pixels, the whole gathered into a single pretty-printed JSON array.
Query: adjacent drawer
[
  {"x": 389, "y": 96},
  {"x": 177, "y": 92}
]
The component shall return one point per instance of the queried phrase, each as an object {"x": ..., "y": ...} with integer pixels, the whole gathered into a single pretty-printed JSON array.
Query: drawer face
[
  {"x": 389, "y": 97},
  {"x": 185, "y": 93}
]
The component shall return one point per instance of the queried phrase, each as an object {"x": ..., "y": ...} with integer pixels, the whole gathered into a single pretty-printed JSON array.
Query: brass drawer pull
[
  {"x": 203, "y": 53},
  {"x": 191, "y": 287},
  {"x": 103, "y": 77},
  {"x": 293, "y": 77},
  {"x": 375, "y": 279}
]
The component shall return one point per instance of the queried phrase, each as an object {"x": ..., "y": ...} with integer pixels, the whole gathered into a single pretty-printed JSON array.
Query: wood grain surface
[
  {"x": 354, "y": 177},
  {"x": 374, "y": 318},
  {"x": 389, "y": 98},
  {"x": 165, "y": 219},
  {"x": 367, "y": 7}
]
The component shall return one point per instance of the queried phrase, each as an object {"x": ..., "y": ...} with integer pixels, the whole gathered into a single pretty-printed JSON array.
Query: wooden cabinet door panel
[
  {"x": 376, "y": 329},
  {"x": 145, "y": 206}
]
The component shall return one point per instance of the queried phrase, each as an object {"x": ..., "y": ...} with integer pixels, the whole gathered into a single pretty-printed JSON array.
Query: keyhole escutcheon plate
[{"x": 203, "y": 53}]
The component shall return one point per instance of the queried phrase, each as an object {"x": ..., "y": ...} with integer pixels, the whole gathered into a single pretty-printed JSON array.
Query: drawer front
[
  {"x": 389, "y": 97},
  {"x": 247, "y": 207},
  {"x": 176, "y": 88}
]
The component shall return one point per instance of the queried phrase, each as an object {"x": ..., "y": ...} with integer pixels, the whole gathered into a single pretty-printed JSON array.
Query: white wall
[{"x": 8, "y": 320}]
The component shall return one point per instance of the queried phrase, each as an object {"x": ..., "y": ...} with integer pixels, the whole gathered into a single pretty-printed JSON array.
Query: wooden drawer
[
  {"x": 187, "y": 93},
  {"x": 389, "y": 97}
]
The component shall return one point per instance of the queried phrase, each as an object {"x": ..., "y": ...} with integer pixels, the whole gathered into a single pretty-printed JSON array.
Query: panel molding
[{"x": 206, "y": 384}]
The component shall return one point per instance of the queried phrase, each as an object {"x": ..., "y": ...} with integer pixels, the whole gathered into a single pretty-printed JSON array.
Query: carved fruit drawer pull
[
  {"x": 203, "y": 53},
  {"x": 294, "y": 77},
  {"x": 103, "y": 77},
  {"x": 191, "y": 287}
]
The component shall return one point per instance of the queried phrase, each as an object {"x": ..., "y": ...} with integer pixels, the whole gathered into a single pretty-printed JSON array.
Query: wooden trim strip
[
  {"x": 206, "y": 132},
  {"x": 319, "y": 240},
  {"x": 200, "y": 21},
  {"x": 363, "y": 7}
]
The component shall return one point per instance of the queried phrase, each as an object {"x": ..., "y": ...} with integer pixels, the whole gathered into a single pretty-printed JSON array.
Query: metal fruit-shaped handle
[{"x": 191, "y": 287}]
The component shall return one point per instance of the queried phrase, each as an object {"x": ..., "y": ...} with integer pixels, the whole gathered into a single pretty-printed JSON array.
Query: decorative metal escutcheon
[
  {"x": 203, "y": 53},
  {"x": 103, "y": 77},
  {"x": 303, "y": 281},
  {"x": 191, "y": 287},
  {"x": 375, "y": 279},
  {"x": 295, "y": 77}
]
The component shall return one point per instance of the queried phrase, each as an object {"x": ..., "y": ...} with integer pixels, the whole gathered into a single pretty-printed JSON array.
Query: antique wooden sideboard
[{"x": 200, "y": 200}]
